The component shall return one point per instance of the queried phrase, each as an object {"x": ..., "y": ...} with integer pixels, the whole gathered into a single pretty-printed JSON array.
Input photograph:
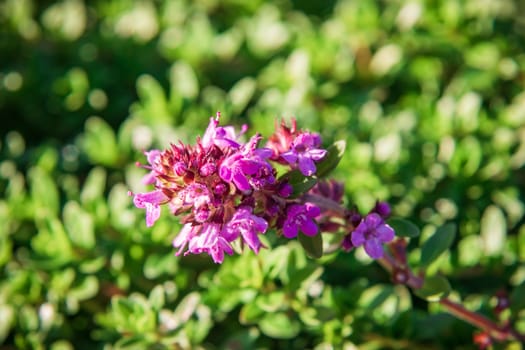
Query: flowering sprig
[{"x": 226, "y": 190}]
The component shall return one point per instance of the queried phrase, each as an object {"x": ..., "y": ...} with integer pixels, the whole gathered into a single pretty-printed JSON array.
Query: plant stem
[
  {"x": 325, "y": 203},
  {"x": 496, "y": 331},
  {"x": 396, "y": 263}
]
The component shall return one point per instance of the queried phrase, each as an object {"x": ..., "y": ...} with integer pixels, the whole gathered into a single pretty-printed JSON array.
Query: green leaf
[
  {"x": 517, "y": 298},
  {"x": 330, "y": 161},
  {"x": 183, "y": 80},
  {"x": 158, "y": 264},
  {"x": 99, "y": 142},
  {"x": 51, "y": 244},
  {"x": 467, "y": 157},
  {"x": 241, "y": 93},
  {"x": 313, "y": 245},
  {"x": 384, "y": 303},
  {"x": 7, "y": 318},
  {"x": 86, "y": 289},
  {"x": 47, "y": 158},
  {"x": 90, "y": 266},
  {"x": 271, "y": 302},
  {"x": 434, "y": 288},
  {"x": 79, "y": 225},
  {"x": 153, "y": 106},
  {"x": 134, "y": 342},
  {"x": 94, "y": 186},
  {"x": 44, "y": 192},
  {"x": 438, "y": 243},
  {"x": 404, "y": 228},
  {"x": 61, "y": 345},
  {"x": 6, "y": 250},
  {"x": 493, "y": 231},
  {"x": 300, "y": 183},
  {"x": 157, "y": 297},
  {"x": 279, "y": 325},
  {"x": 250, "y": 313},
  {"x": 27, "y": 319}
]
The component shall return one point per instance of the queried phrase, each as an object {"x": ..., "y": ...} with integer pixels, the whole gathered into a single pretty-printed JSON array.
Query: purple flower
[
  {"x": 186, "y": 234},
  {"x": 248, "y": 166},
  {"x": 225, "y": 190},
  {"x": 383, "y": 209},
  {"x": 195, "y": 194},
  {"x": 305, "y": 152},
  {"x": 153, "y": 158},
  {"x": 372, "y": 232},
  {"x": 247, "y": 225},
  {"x": 211, "y": 242},
  {"x": 151, "y": 201},
  {"x": 346, "y": 244},
  {"x": 330, "y": 189},
  {"x": 205, "y": 238},
  {"x": 222, "y": 136},
  {"x": 299, "y": 217}
]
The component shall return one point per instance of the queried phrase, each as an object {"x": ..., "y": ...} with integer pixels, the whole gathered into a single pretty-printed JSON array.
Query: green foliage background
[{"x": 429, "y": 96}]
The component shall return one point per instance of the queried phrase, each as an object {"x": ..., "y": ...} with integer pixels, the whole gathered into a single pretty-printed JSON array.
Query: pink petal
[
  {"x": 385, "y": 233},
  {"x": 248, "y": 167},
  {"x": 312, "y": 211},
  {"x": 290, "y": 230},
  {"x": 309, "y": 228},
  {"x": 152, "y": 214},
  {"x": 240, "y": 180},
  {"x": 374, "y": 248},
  {"x": 307, "y": 166},
  {"x": 252, "y": 239},
  {"x": 290, "y": 157},
  {"x": 358, "y": 237},
  {"x": 316, "y": 154}
]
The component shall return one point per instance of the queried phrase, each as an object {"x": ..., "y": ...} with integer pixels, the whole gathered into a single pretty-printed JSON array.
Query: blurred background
[{"x": 429, "y": 96}]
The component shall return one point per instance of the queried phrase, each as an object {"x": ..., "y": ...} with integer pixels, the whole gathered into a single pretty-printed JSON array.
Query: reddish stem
[
  {"x": 496, "y": 331},
  {"x": 396, "y": 262},
  {"x": 325, "y": 203}
]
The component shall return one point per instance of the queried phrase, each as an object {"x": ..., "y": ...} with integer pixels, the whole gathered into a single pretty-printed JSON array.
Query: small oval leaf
[
  {"x": 250, "y": 314},
  {"x": 404, "y": 228},
  {"x": 313, "y": 245},
  {"x": 517, "y": 298},
  {"x": 493, "y": 231},
  {"x": 440, "y": 241},
  {"x": 332, "y": 158},
  {"x": 434, "y": 288},
  {"x": 279, "y": 325}
]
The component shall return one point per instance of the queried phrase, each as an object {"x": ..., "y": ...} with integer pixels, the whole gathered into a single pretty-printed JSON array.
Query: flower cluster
[
  {"x": 226, "y": 190},
  {"x": 369, "y": 231}
]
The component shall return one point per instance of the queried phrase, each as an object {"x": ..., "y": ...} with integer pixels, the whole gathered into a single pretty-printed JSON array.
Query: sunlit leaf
[
  {"x": 404, "y": 228},
  {"x": 157, "y": 297},
  {"x": 437, "y": 244},
  {"x": 434, "y": 288},
  {"x": 313, "y": 245},
  {"x": 517, "y": 298},
  {"x": 332, "y": 159},
  {"x": 79, "y": 225},
  {"x": 99, "y": 142},
  {"x": 250, "y": 313},
  {"x": 493, "y": 231},
  {"x": 279, "y": 325}
]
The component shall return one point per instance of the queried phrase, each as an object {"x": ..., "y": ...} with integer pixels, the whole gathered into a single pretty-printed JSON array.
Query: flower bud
[{"x": 180, "y": 168}]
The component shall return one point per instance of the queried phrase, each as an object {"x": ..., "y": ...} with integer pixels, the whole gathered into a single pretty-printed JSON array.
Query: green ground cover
[{"x": 428, "y": 95}]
